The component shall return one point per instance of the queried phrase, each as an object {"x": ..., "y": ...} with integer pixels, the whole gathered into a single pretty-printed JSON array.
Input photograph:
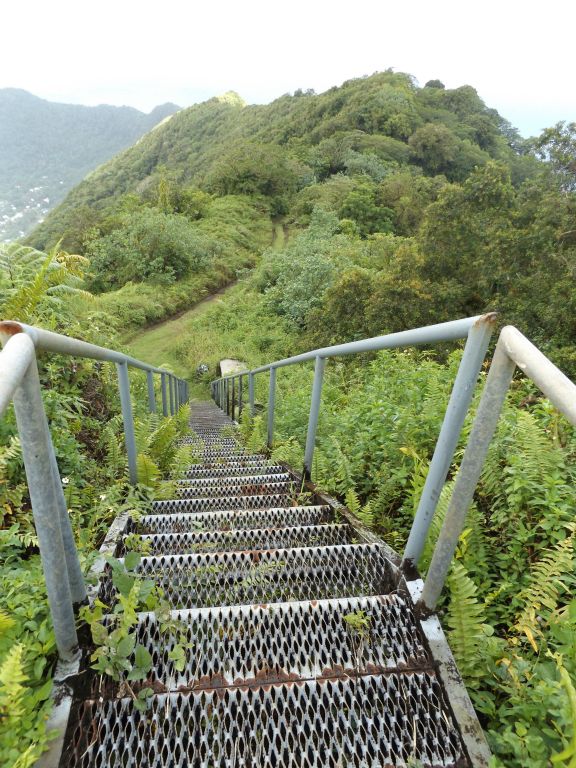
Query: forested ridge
[
  {"x": 46, "y": 148},
  {"x": 400, "y": 206}
]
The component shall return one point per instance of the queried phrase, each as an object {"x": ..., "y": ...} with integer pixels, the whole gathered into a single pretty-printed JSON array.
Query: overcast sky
[{"x": 519, "y": 55}]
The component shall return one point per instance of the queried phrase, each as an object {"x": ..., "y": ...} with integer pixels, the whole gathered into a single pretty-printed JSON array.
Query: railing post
[
  {"x": 124, "y": 385},
  {"x": 151, "y": 395},
  {"x": 460, "y": 398},
  {"x": 233, "y": 414},
  {"x": 251, "y": 393},
  {"x": 271, "y": 405},
  {"x": 240, "y": 387},
  {"x": 497, "y": 385},
  {"x": 39, "y": 462},
  {"x": 164, "y": 395},
  {"x": 75, "y": 575},
  {"x": 227, "y": 389},
  {"x": 171, "y": 393},
  {"x": 313, "y": 417}
]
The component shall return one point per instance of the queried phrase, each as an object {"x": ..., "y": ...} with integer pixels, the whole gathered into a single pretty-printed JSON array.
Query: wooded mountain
[
  {"x": 371, "y": 125},
  {"x": 46, "y": 148}
]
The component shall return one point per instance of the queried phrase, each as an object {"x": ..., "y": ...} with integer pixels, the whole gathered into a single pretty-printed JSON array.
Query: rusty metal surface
[
  {"x": 302, "y": 649},
  {"x": 216, "y": 503},
  {"x": 264, "y": 644},
  {"x": 367, "y": 722},
  {"x": 246, "y": 488}
]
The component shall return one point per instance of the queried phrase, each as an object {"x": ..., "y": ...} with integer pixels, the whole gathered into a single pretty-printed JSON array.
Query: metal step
[
  {"x": 259, "y": 501},
  {"x": 261, "y": 488},
  {"x": 233, "y": 469},
  {"x": 378, "y": 721},
  {"x": 256, "y": 645},
  {"x": 249, "y": 539},
  {"x": 270, "y": 576},
  {"x": 224, "y": 521},
  {"x": 211, "y": 483}
]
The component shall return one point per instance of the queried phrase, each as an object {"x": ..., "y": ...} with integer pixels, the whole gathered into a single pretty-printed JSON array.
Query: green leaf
[
  {"x": 142, "y": 657},
  {"x": 132, "y": 560}
]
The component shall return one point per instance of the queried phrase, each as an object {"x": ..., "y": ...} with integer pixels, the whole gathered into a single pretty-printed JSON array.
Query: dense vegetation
[
  {"x": 81, "y": 400},
  {"x": 402, "y": 206},
  {"x": 46, "y": 148}
]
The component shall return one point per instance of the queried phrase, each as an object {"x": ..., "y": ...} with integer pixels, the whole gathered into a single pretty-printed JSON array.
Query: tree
[
  {"x": 557, "y": 146},
  {"x": 148, "y": 244}
]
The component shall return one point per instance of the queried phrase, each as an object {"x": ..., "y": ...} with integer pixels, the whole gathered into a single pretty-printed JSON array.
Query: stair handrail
[
  {"x": 513, "y": 350},
  {"x": 476, "y": 330},
  {"x": 20, "y": 384}
]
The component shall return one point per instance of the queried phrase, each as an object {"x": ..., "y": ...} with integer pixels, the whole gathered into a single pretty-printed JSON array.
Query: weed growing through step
[
  {"x": 117, "y": 655},
  {"x": 359, "y": 625}
]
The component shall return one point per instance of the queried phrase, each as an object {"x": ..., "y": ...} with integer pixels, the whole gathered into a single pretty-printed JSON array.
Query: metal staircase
[
  {"x": 308, "y": 641},
  {"x": 278, "y": 672}
]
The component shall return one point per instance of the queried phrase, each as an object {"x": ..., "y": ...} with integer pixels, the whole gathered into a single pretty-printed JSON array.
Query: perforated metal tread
[
  {"x": 249, "y": 479},
  {"x": 255, "y": 538},
  {"x": 270, "y": 576},
  {"x": 299, "y": 650},
  {"x": 367, "y": 722},
  {"x": 258, "y": 645},
  {"x": 233, "y": 469},
  {"x": 261, "y": 488},
  {"x": 256, "y": 501},
  {"x": 223, "y": 521}
]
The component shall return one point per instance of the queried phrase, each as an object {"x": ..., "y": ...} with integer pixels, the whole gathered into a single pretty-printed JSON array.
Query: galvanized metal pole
[
  {"x": 460, "y": 398},
  {"x": 240, "y": 396},
  {"x": 233, "y": 414},
  {"x": 171, "y": 393},
  {"x": 227, "y": 388},
  {"x": 37, "y": 452},
  {"x": 485, "y": 423},
  {"x": 75, "y": 575},
  {"x": 164, "y": 395},
  {"x": 271, "y": 406},
  {"x": 251, "y": 393},
  {"x": 151, "y": 395},
  {"x": 314, "y": 414},
  {"x": 127, "y": 416}
]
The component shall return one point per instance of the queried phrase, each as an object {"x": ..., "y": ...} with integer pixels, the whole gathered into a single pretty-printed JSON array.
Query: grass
[{"x": 157, "y": 345}]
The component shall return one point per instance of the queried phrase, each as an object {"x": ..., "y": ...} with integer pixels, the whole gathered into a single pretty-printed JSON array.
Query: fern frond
[
  {"x": 148, "y": 472},
  {"x": 550, "y": 578},
  {"x": 466, "y": 621},
  {"x": 12, "y": 678}
]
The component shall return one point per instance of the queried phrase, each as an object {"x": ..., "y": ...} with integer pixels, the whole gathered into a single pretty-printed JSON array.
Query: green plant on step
[
  {"x": 359, "y": 626},
  {"x": 117, "y": 654}
]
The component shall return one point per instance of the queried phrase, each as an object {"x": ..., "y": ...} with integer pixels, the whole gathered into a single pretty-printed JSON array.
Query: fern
[
  {"x": 12, "y": 690},
  {"x": 148, "y": 472},
  {"x": 550, "y": 578},
  {"x": 33, "y": 280},
  {"x": 466, "y": 620},
  {"x": 288, "y": 452},
  {"x": 362, "y": 512}
]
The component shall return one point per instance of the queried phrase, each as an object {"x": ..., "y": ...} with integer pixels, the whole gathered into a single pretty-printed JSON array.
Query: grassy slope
[{"x": 157, "y": 344}]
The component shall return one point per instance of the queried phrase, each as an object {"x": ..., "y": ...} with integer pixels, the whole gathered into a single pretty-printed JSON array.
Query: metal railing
[
  {"x": 512, "y": 350},
  {"x": 20, "y": 383},
  {"x": 477, "y": 332}
]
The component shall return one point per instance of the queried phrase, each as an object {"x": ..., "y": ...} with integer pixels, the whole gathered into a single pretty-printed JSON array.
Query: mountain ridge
[{"x": 46, "y": 148}]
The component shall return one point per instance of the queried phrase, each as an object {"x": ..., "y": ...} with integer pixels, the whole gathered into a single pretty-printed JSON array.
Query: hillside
[
  {"x": 46, "y": 148},
  {"x": 371, "y": 125}
]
